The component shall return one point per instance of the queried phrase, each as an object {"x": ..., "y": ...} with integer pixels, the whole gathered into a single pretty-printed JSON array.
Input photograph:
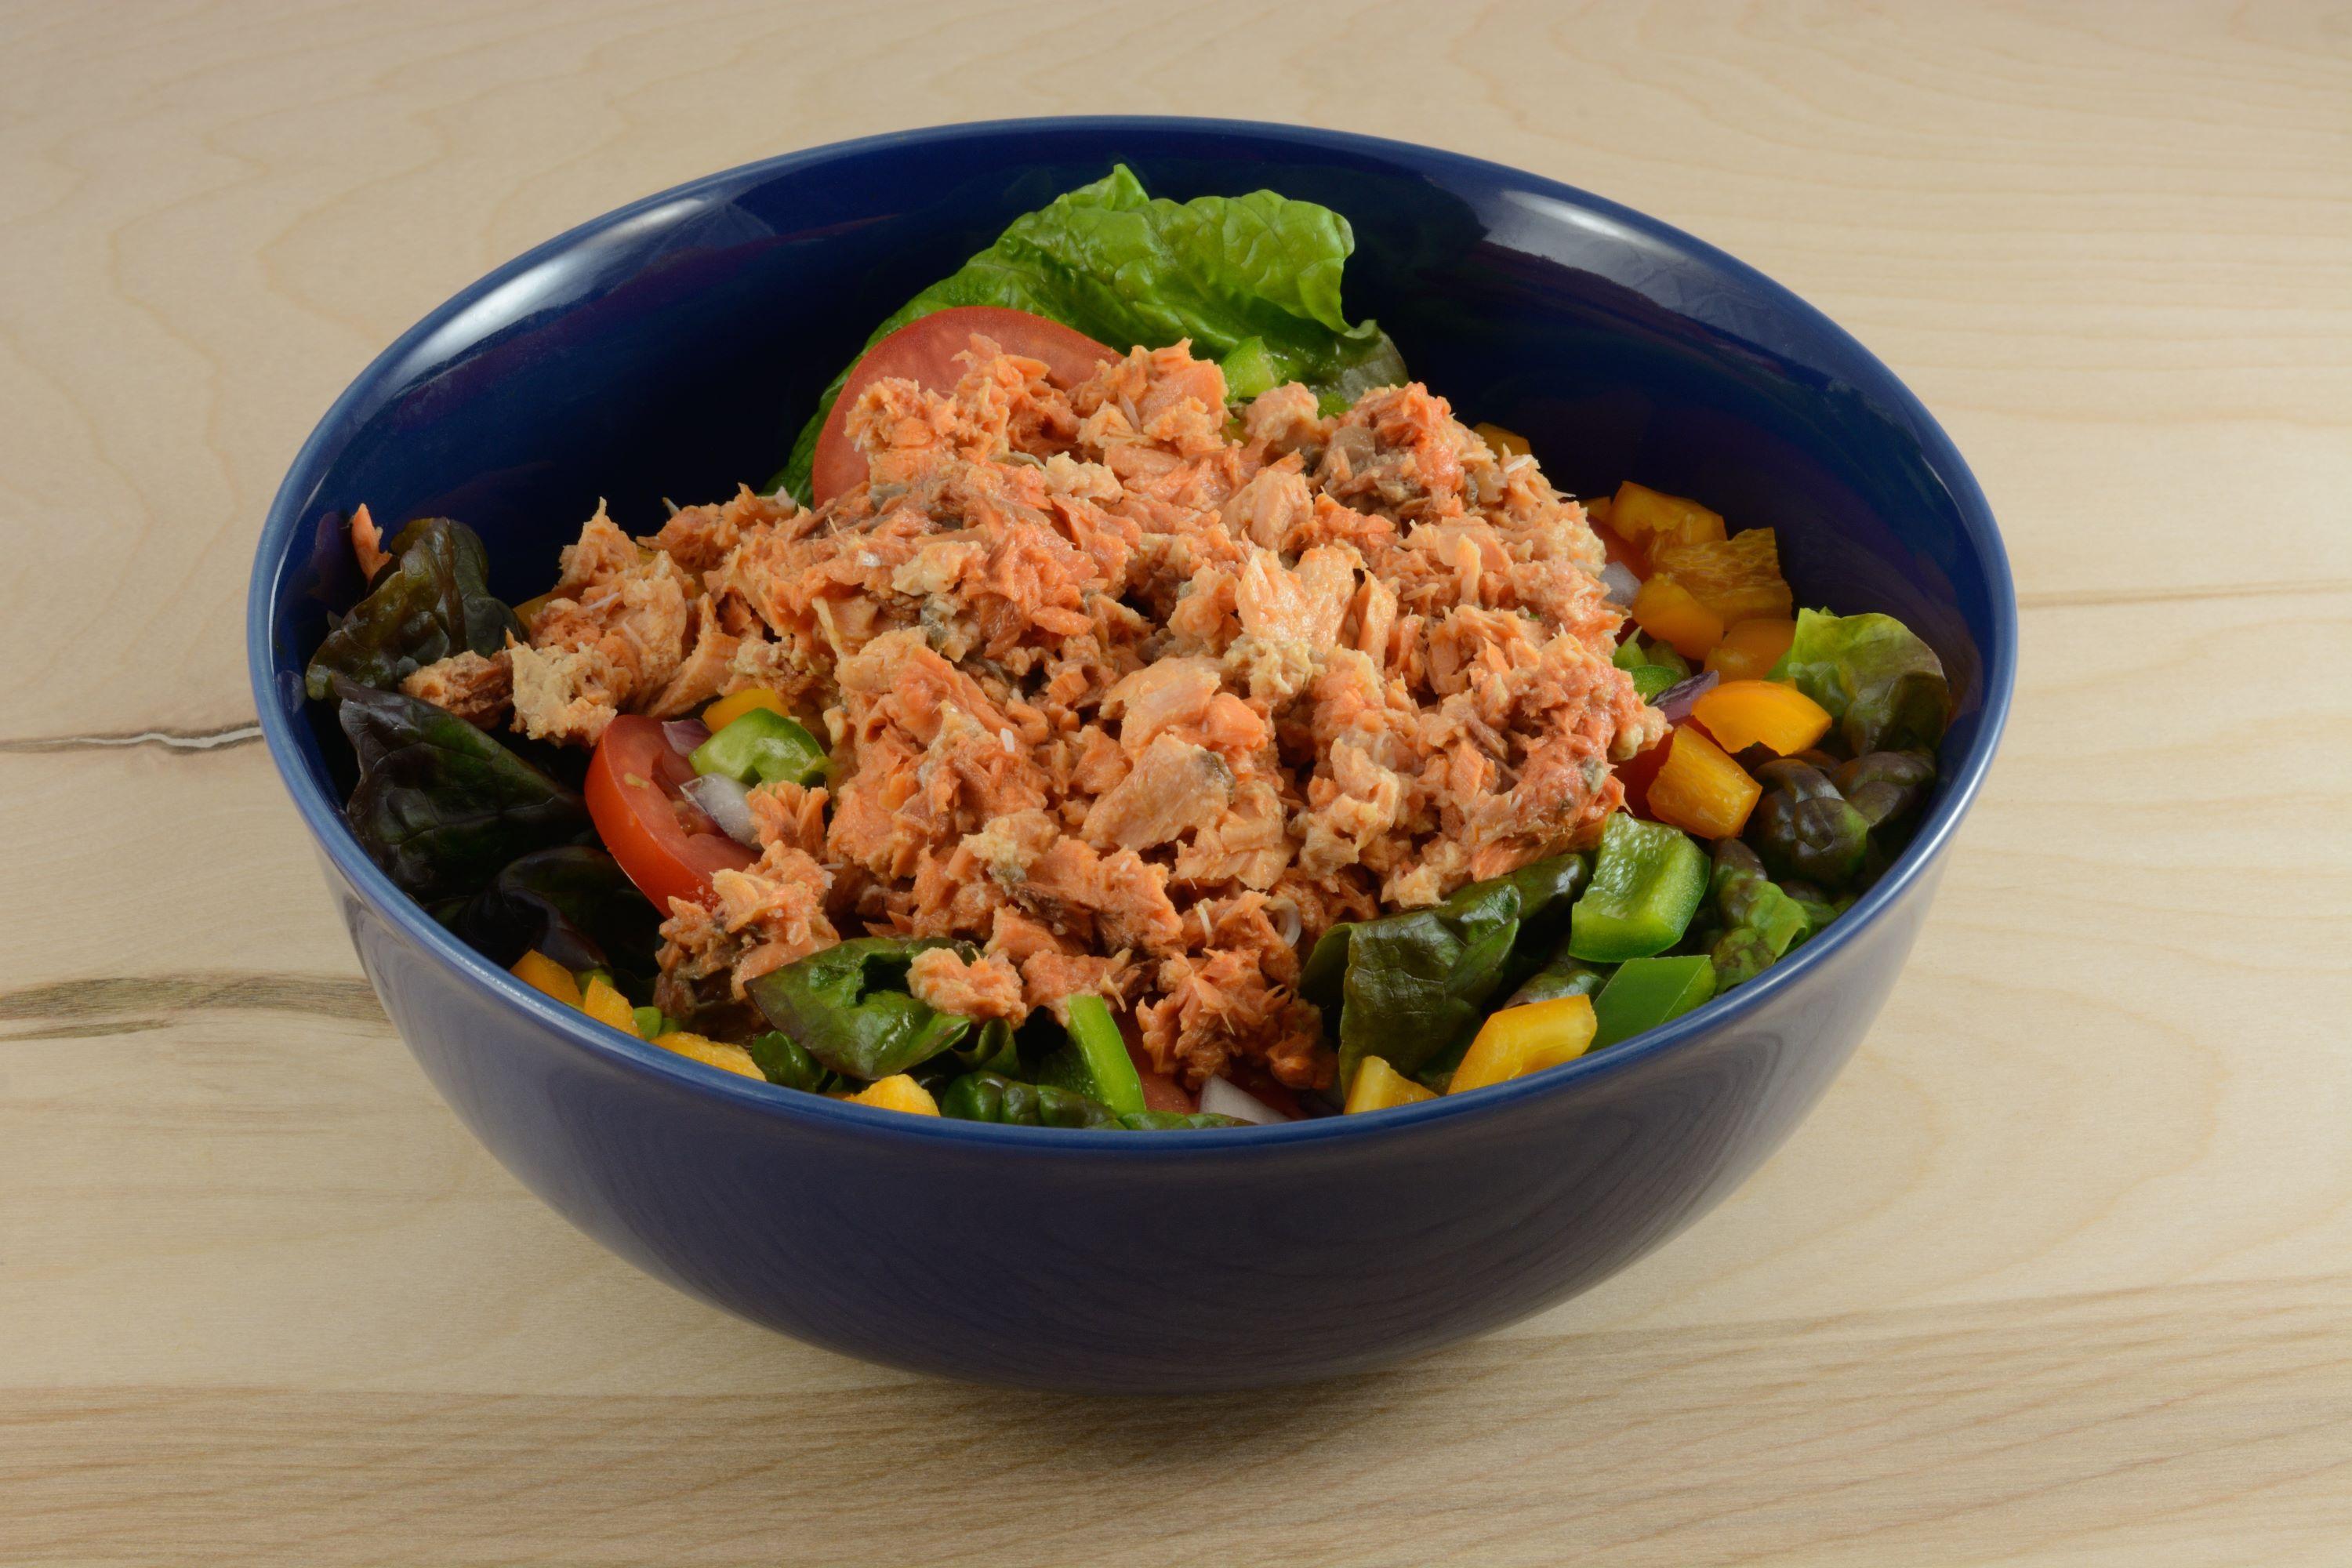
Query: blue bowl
[{"x": 669, "y": 348}]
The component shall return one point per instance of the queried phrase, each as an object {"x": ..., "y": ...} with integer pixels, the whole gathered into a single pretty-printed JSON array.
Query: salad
[{"x": 1138, "y": 704}]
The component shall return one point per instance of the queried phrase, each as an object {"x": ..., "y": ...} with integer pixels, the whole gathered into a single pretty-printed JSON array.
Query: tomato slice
[
  {"x": 668, "y": 846},
  {"x": 924, "y": 351}
]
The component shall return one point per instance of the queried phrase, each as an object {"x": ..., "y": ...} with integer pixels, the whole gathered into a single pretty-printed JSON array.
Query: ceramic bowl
[{"x": 669, "y": 348}]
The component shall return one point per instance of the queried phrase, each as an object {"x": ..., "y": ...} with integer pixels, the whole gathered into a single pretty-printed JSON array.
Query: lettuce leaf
[
  {"x": 432, "y": 600},
  {"x": 1253, "y": 281},
  {"x": 440, "y": 804},
  {"x": 1883, "y": 685}
]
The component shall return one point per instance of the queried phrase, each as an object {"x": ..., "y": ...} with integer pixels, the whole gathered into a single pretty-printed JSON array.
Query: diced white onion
[
  {"x": 1617, "y": 579},
  {"x": 1224, "y": 1098},
  {"x": 729, "y": 803}
]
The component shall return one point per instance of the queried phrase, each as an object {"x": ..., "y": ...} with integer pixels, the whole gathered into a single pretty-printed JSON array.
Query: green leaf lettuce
[{"x": 1253, "y": 281}]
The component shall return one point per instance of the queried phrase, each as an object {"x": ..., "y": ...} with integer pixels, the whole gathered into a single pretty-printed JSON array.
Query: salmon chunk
[{"x": 1131, "y": 691}]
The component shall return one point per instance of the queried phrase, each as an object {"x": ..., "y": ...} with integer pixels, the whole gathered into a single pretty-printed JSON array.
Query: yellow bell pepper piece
[
  {"x": 897, "y": 1092},
  {"x": 1521, "y": 1040},
  {"x": 541, "y": 973},
  {"x": 1648, "y": 519},
  {"x": 1501, "y": 442},
  {"x": 1701, "y": 790},
  {"x": 1378, "y": 1086},
  {"x": 1744, "y": 713},
  {"x": 606, "y": 1006},
  {"x": 1738, "y": 579},
  {"x": 1596, "y": 511},
  {"x": 710, "y": 1052},
  {"x": 734, "y": 705},
  {"x": 1668, "y": 612},
  {"x": 1750, "y": 649}
]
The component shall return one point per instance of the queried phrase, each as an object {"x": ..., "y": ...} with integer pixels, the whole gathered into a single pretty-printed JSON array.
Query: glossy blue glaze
[{"x": 670, "y": 349}]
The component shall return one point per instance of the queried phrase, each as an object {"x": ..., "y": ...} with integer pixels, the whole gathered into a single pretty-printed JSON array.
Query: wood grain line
[
  {"x": 99, "y": 1000},
  {"x": 2094, "y": 598},
  {"x": 214, "y": 739}
]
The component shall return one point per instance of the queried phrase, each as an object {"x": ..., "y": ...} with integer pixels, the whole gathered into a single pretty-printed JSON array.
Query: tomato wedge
[
  {"x": 668, "y": 847},
  {"x": 924, "y": 351}
]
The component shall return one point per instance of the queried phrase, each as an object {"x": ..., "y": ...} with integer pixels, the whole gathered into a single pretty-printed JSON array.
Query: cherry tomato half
[
  {"x": 924, "y": 351},
  {"x": 668, "y": 845}
]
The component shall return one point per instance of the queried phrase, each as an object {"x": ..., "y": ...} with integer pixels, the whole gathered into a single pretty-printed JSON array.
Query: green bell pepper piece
[
  {"x": 1653, "y": 675},
  {"x": 763, "y": 747},
  {"x": 1654, "y": 681},
  {"x": 1646, "y": 992},
  {"x": 1094, "y": 1062},
  {"x": 1646, "y": 884}
]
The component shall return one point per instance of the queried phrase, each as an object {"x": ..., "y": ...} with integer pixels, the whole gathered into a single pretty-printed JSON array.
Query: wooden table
[{"x": 2060, "y": 1273}]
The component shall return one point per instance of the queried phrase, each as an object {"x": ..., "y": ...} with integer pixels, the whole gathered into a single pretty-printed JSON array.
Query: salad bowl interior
[{"x": 671, "y": 349}]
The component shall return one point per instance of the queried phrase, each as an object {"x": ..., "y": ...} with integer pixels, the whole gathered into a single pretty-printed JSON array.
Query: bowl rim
[{"x": 274, "y": 556}]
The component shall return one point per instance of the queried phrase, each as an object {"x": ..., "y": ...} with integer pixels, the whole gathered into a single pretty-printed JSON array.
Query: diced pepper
[
  {"x": 1670, "y": 611},
  {"x": 1750, "y": 649},
  {"x": 1650, "y": 520},
  {"x": 1596, "y": 512},
  {"x": 1378, "y": 1086},
  {"x": 763, "y": 746},
  {"x": 1654, "y": 681},
  {"x": 897, "y": 1092},
  {"x": 1646, "y": 992},
  {"x": 1744, "y": 713},
  {"x": 1737, "y": 579},
  {"x": 1094, "y": 1063},
  {"x": 735, "y": 704},
  {"x": 1701, "y": 790},
  {"x": 1501, "y": 442},
  {"x": 1646, "y": 884},
  {"x": 1651, "y": 674},
  {"x": 541, "y": 973},
  {"x": 1250, "y": 370},
  {"x": 606, "y": 1006},
  {"x": 710, "y": 1052},
  {"x": 1521, "y": 1040},
  {"x": 1636, "y": 772}
]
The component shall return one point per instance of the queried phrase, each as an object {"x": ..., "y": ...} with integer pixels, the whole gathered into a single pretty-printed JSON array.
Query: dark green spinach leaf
[
  {"x": 1410, "y": 987},
  {"x": 849, "y": 1008}
]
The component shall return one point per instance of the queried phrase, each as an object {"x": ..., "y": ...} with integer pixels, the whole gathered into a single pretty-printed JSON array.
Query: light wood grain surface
[{"x": 2061, "y": 1273}]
